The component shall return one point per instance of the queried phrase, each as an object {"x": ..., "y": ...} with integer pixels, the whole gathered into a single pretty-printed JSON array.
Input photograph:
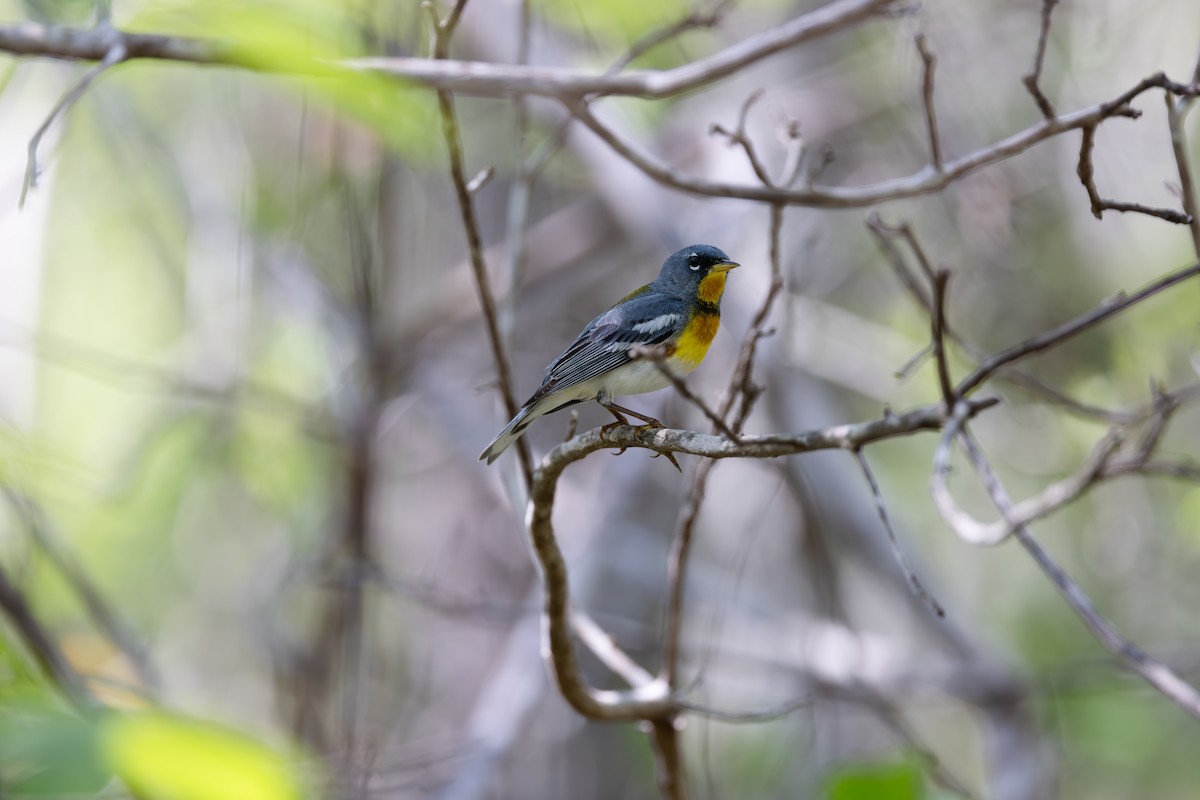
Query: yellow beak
[{"x": 725, "y": 266}]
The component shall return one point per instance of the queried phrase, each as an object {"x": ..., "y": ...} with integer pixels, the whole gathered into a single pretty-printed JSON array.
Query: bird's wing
[{"x": 642, "y": 319}]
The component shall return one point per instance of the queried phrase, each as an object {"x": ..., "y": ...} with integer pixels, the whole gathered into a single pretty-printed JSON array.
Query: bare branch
[
  {"x": 885, "y": 234},
  {"x": 1040, "y": 505},
  {"x": 1032, "y": 79},
  {"x": 664, "y": 734},
  {"x": 929, "y": 63},
  {"x": 97, "y": 607},
  {"x": 914, "y": 582},
  {"x": 466, "y": 77},
  {"x": 939, "y": 338},
  {"x": 466, "y": 208},
  {"x": 926, "y": 181},
  {"x": 1154, "y": 672},
  {"x": 1187, "y": 188},
  {"x": 604, "y": 647},
  {"x": 1087, "y": 176},
  {"x": 1083, "y": 322},
  {"x": 739, "y": 137}
]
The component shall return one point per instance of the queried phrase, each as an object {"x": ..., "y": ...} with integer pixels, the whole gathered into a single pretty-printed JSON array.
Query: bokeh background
[{"x": 244, "y": 380}]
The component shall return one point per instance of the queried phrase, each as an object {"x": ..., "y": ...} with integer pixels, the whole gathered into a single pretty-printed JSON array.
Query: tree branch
[{"x": 466, "y": 77}]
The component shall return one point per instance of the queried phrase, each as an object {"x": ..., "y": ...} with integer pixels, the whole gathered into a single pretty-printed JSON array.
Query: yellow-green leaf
[{"x": 161, "y": 757}]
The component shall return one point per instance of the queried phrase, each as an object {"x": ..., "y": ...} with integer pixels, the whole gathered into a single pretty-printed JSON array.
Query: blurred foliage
[
  {"x": 48, "y": 752},
  {"x": 883, "y": 781}
]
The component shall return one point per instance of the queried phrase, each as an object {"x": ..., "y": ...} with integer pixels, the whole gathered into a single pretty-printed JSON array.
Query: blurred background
[{"x": 244, "y": 381}]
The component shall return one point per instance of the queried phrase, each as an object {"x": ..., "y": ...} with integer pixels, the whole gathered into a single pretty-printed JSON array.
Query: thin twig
[
  {"x": 885, "y": 234},
  {"x": 938, "y": 319},
  {"x": 604, "y": 647},
  {"x": 97, "y": 607},
  {"x": 1033, "y": 78},
  {"x": 929, "y": 63},
  {"x": 466, "y": 208},
  {"x": 657, "y": 355},
  {"x": 115, "y": 55},
  {"x": 1083, "y": 322},
  {"x": 914, "y": 582},
  {"x": 1087, "y": 176},
  {"x": 1187, "y": 188},
  {"x": 1040, "y": 505},
  {"x": 738, "y": 136}
]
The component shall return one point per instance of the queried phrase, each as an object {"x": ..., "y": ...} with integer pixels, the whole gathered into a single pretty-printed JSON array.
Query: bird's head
[{"x": 696, "y": 270}]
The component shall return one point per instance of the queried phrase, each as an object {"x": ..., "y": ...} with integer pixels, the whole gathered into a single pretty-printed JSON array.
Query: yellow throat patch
[{"x": 712, "y": 287}]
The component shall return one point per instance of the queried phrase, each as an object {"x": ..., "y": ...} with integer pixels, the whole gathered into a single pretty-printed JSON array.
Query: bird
[{"x": 680, "y": 311}]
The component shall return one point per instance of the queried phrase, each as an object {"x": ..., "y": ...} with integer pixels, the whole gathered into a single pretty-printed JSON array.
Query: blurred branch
[
  {"x": 44, "y": 648},
  {"x": 914, "y": 583},
  {"x": 450, "y": 131},
  {"x": 938, "y": 319},
  {"x": 738, "y": 136},
  {"x": 1032, "y": 80},
  {"x": 98, "y": 609},
  {"x": 929, "y": 63},
  {"x": 1083, "y": 322},
  {"x": 1176, "y": 114},
  {"x": 115, "y": 54},
  {"x": 1045, "y": 502},
  {"x": 1154, "y": 672},
  {"x": 887, "y": 234}
]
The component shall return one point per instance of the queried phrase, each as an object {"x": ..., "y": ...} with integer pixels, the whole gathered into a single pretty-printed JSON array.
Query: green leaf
[
  {"x": 163, "y": 757},
  {"x": 47, "y": 751},
  {"x": 881, "y": 781}
]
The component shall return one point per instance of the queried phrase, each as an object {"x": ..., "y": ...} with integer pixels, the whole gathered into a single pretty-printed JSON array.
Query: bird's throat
[{"x": 711, "y": 288}]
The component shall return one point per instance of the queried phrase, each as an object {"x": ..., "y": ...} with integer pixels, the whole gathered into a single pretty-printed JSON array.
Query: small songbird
[{"x": 679, "y": 310}]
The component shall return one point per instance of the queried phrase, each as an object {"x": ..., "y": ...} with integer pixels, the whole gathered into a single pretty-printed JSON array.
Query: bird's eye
[{"x": 694, "y": 261}]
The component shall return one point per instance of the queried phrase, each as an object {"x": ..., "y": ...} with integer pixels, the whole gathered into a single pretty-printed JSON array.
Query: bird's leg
[
  {"x": 651, "y": 423},
  {"x": 605, "y": 400},
  {"x": 618, "y": 412}
]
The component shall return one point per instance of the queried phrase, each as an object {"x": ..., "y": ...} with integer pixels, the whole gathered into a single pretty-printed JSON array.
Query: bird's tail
[{"x": 510, "y": 434}]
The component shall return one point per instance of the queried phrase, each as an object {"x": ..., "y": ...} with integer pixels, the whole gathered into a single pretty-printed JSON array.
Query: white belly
[{"x": 636, "y": 377}]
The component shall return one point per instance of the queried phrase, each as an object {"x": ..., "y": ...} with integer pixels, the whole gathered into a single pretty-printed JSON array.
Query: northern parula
[{"x": 679, "y": 310}]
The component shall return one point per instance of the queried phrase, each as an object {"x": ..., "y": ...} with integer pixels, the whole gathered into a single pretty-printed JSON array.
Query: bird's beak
[{"x": 725, "y": 266}]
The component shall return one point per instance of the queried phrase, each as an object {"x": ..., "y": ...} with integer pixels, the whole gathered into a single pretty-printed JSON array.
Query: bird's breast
[{"x": 694, "y": 341}]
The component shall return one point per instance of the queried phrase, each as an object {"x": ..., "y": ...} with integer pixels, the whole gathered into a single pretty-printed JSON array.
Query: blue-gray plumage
[{"x": 680, "y": 309}]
